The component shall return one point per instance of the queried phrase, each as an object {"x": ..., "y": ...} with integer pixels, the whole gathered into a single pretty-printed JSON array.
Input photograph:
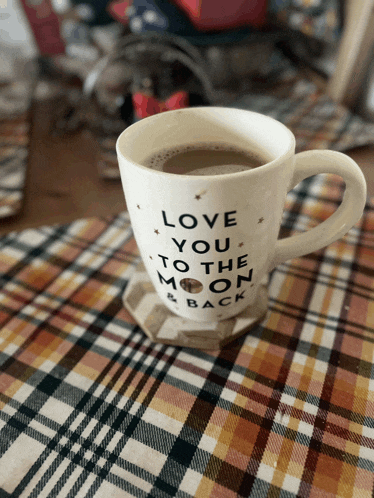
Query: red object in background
[
  {"x": 145, "y": 105},
  {"x": 224, "y": 14},
  {"x": 117, "y": 9},
  {"x": 45, "y": 26}
]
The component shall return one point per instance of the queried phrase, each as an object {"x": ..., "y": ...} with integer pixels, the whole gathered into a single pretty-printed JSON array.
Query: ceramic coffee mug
[{"x": 208, "y": 241}]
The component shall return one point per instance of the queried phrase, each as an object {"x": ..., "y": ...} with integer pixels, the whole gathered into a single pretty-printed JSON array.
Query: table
[{"x": 91, "y": 407}]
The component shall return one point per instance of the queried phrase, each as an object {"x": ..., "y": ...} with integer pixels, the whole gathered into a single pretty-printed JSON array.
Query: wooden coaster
[{"x": 162, "y": 325}]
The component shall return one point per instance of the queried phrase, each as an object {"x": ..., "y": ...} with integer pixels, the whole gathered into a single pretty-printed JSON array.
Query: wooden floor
[{"x": 63, "y": 183}]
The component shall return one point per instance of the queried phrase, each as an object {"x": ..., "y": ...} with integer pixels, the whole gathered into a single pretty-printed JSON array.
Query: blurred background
[{"x": 75, "y": 73}]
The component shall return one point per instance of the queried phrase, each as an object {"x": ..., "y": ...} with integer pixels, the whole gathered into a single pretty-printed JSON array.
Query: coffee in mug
[{"x": 204, "y": 159}]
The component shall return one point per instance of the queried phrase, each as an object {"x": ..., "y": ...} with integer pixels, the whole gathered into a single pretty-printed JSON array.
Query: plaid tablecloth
[
  {"x": 14, "y": 141},
  {"x": 91, "y": 407}
]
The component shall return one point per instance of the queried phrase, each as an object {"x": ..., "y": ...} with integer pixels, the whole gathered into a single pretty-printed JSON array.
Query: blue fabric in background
[
  {"x": 164, "y": 16},
  {"x": 319, "y": 19}
]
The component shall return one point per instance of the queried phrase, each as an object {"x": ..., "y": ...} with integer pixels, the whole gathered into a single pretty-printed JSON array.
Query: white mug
[{"x": 207, "y": 242}]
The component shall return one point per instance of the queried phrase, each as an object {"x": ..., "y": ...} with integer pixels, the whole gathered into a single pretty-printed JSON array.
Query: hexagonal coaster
[{"x": 162, "y": 325}]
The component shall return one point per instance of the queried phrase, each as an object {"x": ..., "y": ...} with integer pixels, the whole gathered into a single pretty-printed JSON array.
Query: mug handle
[{"x": 311, "y": 163}]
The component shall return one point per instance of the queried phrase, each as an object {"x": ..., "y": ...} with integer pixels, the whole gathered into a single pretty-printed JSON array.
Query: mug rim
[{"x": 270, "y": 164}]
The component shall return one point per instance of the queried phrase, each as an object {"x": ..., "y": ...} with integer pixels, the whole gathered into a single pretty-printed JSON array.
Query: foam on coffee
[{"x": 203, "y": 159}]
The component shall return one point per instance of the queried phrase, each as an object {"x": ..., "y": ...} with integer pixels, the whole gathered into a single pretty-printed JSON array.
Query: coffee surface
[{"x": 204, "y": 159}]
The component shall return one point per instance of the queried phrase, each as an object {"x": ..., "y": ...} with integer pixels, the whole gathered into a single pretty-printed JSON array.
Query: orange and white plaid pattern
[{"x": 90, "y": 407}]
